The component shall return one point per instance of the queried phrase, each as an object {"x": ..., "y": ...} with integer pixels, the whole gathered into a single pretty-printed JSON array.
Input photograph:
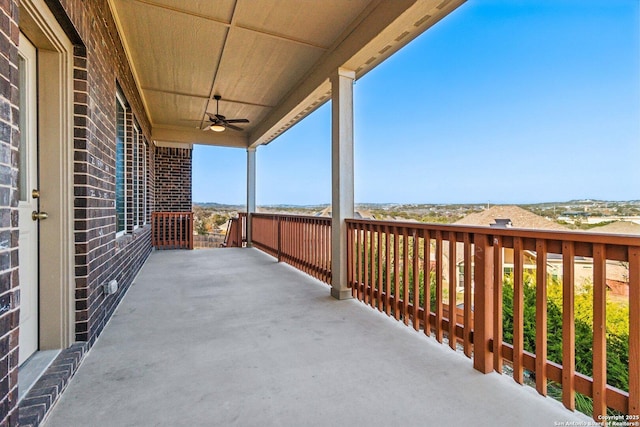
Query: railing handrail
[
  {"x": 292, "y": 216},
  {"x": 575, "y": 236},
  {"x": 617, "y": 244}
]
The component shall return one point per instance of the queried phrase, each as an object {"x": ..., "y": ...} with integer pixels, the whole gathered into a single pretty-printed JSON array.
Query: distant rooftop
[
  {"x": 618, "y": 227},
  {"x": 520, "y": 218}
]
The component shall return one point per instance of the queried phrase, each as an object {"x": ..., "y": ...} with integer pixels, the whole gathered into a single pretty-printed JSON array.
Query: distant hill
[{"x": 218, "y": 206}]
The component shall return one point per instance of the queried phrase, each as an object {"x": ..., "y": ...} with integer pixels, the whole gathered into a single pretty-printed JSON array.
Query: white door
[{"x": 28, "y": 200}]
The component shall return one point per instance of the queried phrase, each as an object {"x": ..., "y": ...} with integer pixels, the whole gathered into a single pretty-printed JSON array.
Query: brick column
[{"x": 173, "y": 178}]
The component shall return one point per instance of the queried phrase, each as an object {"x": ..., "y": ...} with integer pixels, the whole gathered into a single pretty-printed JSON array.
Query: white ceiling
[{"x": 270, "y": 60}]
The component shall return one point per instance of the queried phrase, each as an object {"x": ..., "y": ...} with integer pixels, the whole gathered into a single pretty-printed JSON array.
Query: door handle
[{"x": 35, "y": 215}]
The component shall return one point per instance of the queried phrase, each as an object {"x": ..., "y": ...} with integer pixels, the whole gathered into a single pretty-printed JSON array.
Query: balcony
[{"x": 233, "y": 336}]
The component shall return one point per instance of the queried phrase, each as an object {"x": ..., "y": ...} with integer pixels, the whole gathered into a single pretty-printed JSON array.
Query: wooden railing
[
  {"x": 389, "y": 264},
  {"x": 236, "y": 232},
  {"x": 172, "y": 230},
  {"x": 302, "y": 241}
]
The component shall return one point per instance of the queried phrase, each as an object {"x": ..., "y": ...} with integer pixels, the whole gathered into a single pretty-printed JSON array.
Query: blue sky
[{"x": 513, "y": 101}]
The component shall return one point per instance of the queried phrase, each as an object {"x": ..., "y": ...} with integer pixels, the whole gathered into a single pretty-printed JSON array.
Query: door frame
[{"x": 55, "y": 139}]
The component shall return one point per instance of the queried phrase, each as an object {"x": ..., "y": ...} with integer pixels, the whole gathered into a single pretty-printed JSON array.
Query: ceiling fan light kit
[{"x": 219, "y": 122}]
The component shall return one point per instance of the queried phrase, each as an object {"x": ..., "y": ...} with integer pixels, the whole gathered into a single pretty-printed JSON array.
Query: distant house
[
  {"x": 619, "y": 227},
  {"x": 357, "y": 214},
  {"x": 509, "y": 217},
  {"x": 617, "y": 279}
]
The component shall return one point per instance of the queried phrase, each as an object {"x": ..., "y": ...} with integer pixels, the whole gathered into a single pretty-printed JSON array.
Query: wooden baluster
[
  {"x": 426, "y": 242},
  {"x": 366, "y": 264},
  {"x": 359, "y": 253},
  {"x": 315, "y": 245},
  {"x": 304, "y": 235},
  {"x": 309, "y": 244},
  {"x": 379, "y": 230},
  {"x": 416, "y": 281},
  {"x": 171, "y": 237},
  {"x": 568, "y": 327},
  {"x": 396, "y": 274},
  {"x": 599, "y": 332},
  {"x": 326, "y": 264},
  {"x": 453, "y": 309},
  {"x": 466, "y": 333},
  {"x": 498, "y": 279},
  {"x": 372, "y": 278},
  {"x": 518, "y": 310},
  {"x": 299, "y": 265},
  {"x": 405, "y": 276},
  {"x": 634, "y": 330},
  {"x": 387, "y": 260},
  {"x": 350, "y": 251},
  {"x": 541, "y": 316},
  {"x": 191, "y": 231},
  {"x": 439, "y": 332}
]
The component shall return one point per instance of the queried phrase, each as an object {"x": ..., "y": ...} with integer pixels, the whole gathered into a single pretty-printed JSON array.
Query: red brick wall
[
  {"x": 100, "y": 67},
  {"x": 173, "y": 179},
  {"x": 9, "y": 143}
]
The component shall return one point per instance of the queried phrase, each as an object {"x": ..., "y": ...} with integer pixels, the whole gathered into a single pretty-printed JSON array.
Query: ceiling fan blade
[
  {"x": 234, "y": 127},
  {"x": 237, "y": 121},
  {"x": 206, "y": 128}
]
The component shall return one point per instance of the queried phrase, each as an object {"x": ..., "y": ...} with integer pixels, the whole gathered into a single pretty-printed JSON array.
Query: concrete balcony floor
[{"x": 230, "y": 337}]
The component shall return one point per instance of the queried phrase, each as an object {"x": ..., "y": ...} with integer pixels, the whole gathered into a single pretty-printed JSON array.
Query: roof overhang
[{"x": 271, "y": 64}]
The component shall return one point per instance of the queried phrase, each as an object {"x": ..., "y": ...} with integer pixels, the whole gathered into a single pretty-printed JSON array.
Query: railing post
[
  {"x": 190, "y": 230},
  {"x": 483, "y": 304},
  {"x": 251, "y": 191},
  {"x": 634, "y": 330}
]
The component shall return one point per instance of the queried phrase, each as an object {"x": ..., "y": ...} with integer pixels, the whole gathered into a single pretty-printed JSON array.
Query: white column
[
  {"x": 341, "y": 176},
  {"x": 251, "y": 189}
]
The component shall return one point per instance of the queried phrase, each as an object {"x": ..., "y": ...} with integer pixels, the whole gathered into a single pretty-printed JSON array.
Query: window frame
[
  {"x": 145, "y": 145},
  {"x": 122, "y": 103},
  {"x": 135, "y": 175}
]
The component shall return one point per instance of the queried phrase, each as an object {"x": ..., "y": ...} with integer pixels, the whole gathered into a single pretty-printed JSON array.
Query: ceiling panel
[
  {"x": 174, "y": 110},
  {"x": 262, "y": 68},
  {"x": 301, "y": 20},
  {"x": 165, "y": 55},
  {"x": 220, "y": 10}
]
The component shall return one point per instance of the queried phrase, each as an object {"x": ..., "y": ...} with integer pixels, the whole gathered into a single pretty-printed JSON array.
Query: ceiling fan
[{"x": 218, "y": 122}]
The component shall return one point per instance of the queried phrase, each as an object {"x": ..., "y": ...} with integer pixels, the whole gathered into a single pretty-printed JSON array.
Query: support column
[
  {"x": 341, "y": 177},
  {"x": 251, "y": 190}
]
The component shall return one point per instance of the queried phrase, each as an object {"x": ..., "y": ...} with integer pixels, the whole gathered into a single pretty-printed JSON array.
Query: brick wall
[
  {"x": 9, "y": 160},
  {"x": 173, "y": 179},
  {"x": 100, "y": 69}
]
